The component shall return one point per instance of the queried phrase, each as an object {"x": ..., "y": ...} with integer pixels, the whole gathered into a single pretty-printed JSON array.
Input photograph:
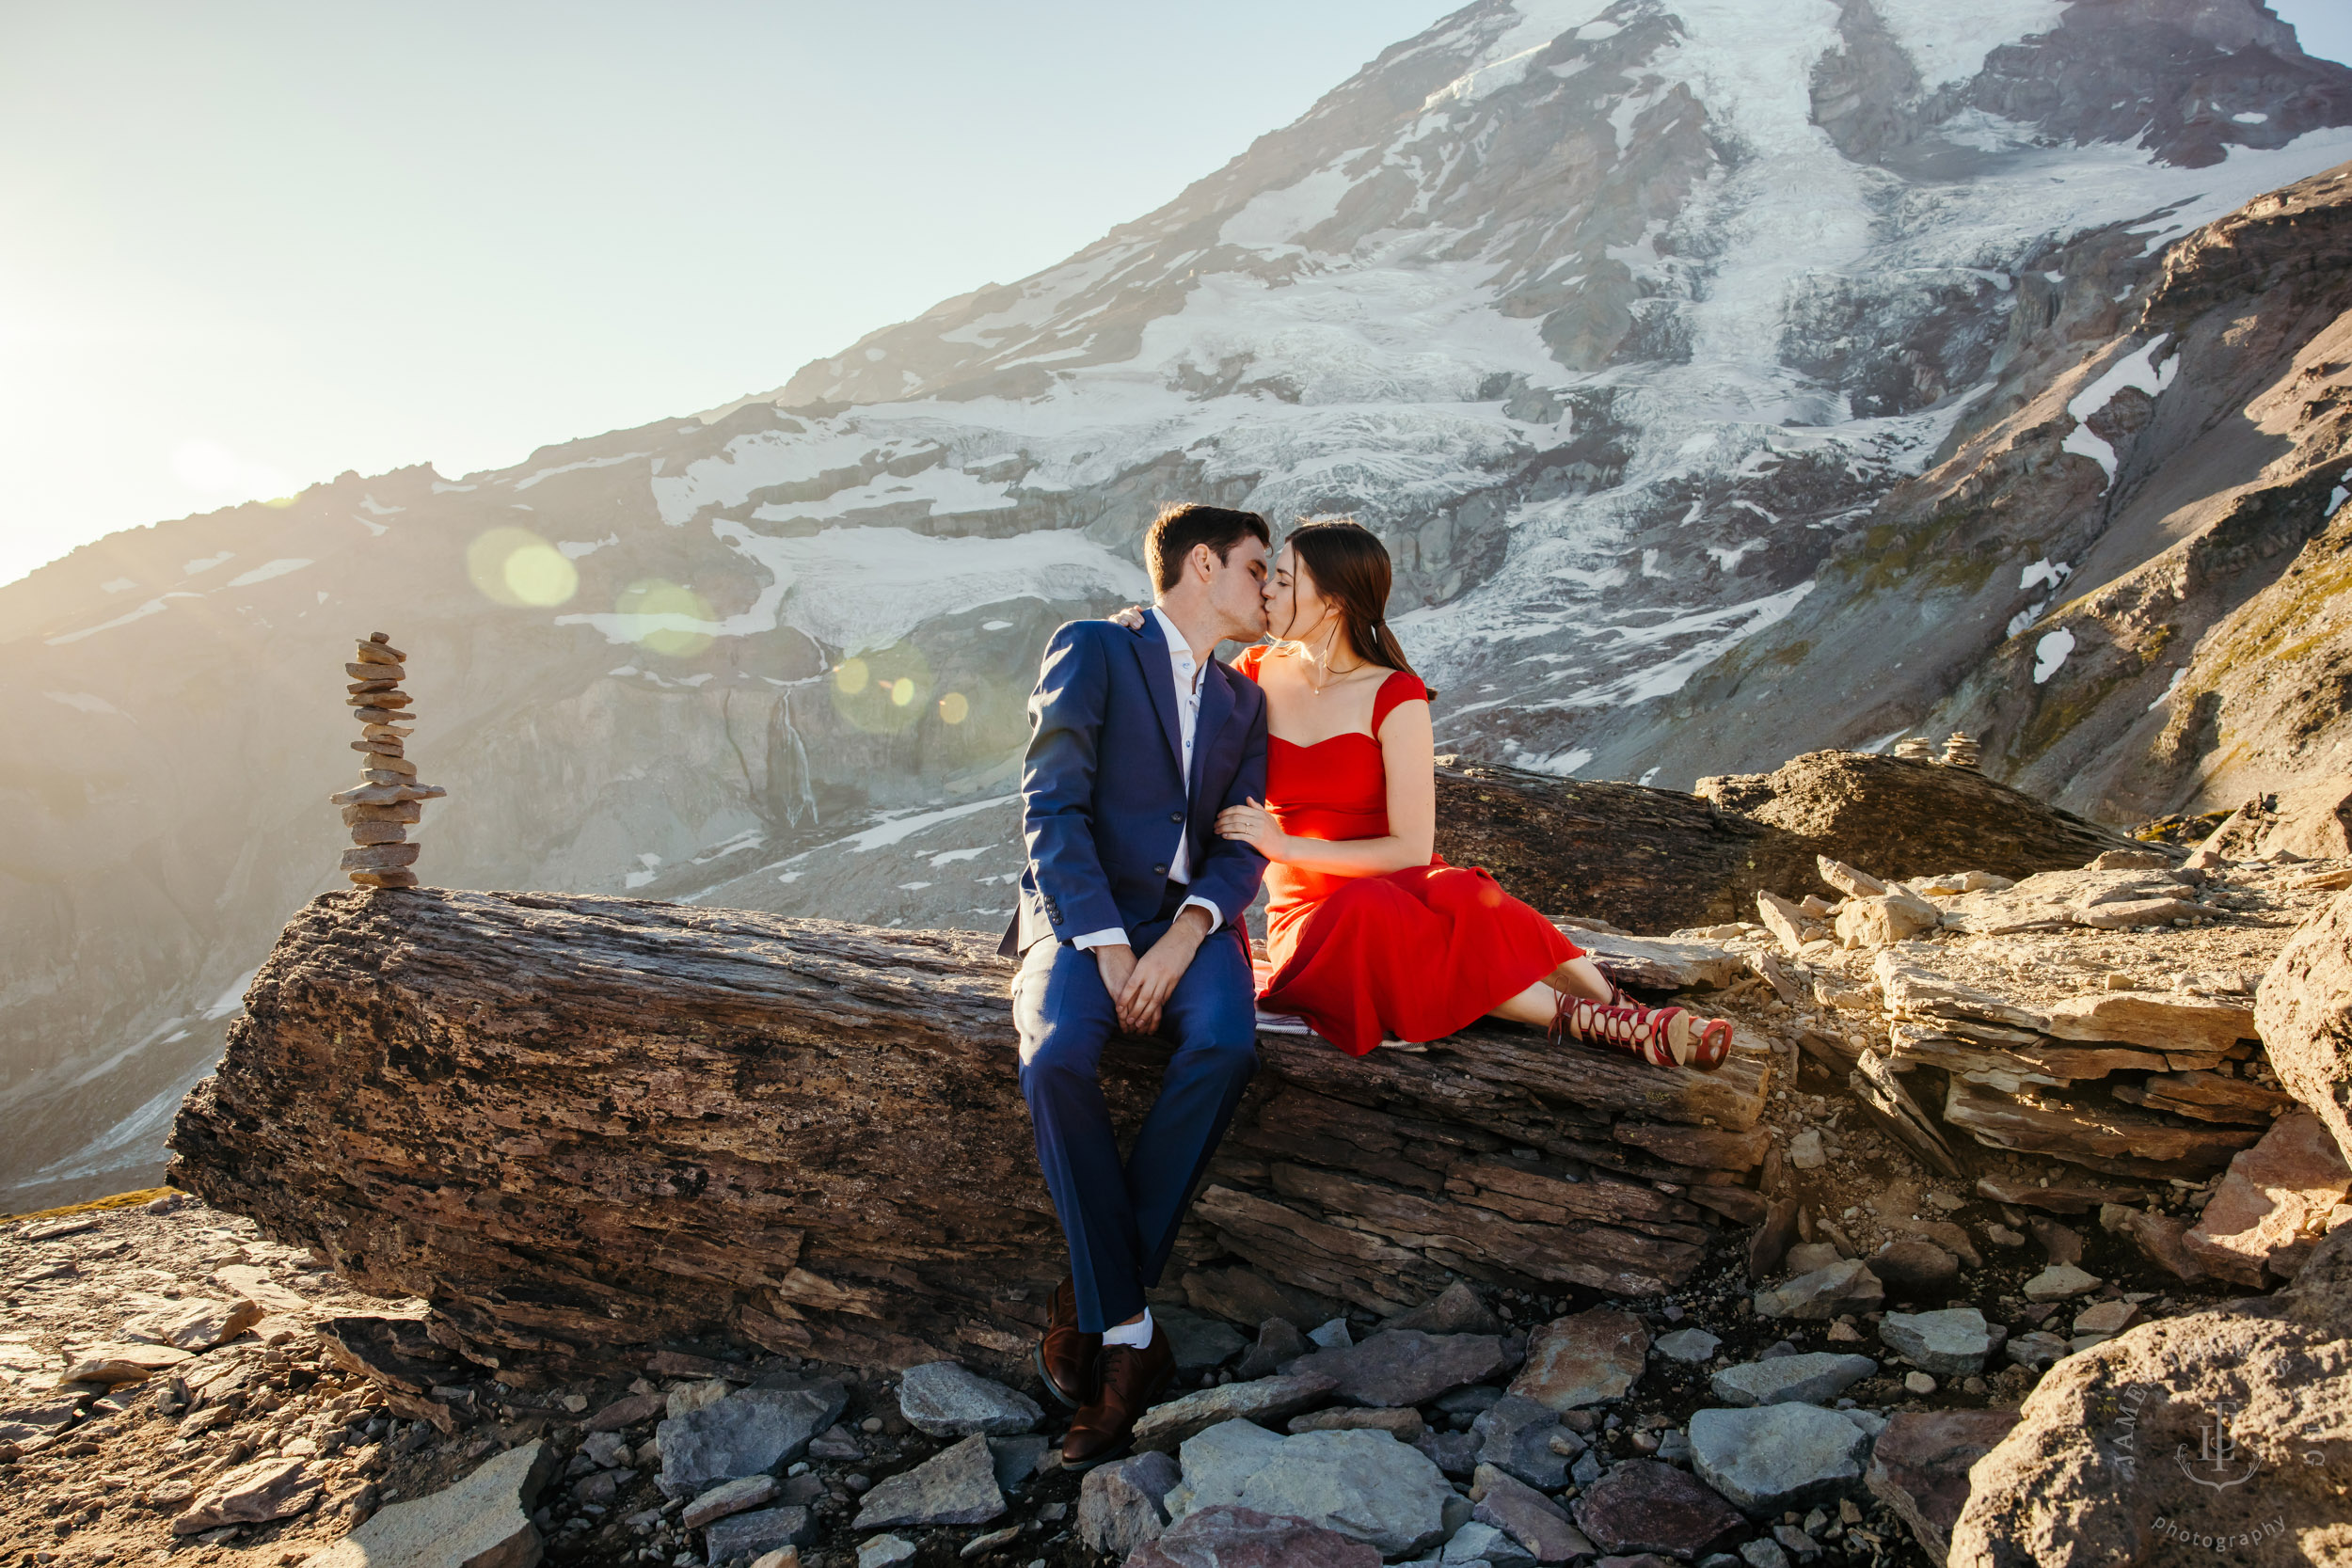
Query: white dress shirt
[{"x": 1187, "y": 671}]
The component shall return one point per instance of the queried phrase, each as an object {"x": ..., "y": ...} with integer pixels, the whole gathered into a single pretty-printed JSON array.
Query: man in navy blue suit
[{"x": 1130, "y": 919}]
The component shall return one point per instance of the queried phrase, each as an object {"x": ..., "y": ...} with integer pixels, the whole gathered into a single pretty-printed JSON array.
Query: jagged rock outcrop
[{"x": 579, "y": 1124}]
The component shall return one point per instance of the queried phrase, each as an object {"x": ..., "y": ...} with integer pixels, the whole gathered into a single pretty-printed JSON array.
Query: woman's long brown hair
[{"x": 1350, "y": 567}]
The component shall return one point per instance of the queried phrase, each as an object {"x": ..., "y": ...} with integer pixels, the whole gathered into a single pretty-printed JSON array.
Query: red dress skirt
[{"x": 1419, "y": 954}]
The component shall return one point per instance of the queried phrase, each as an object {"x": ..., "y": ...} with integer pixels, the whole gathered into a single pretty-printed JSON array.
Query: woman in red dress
[{"x": 1371, "y": 934}]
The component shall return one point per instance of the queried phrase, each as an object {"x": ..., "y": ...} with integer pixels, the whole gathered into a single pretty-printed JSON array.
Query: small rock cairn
[
  {"x": 389, "y": 797},
  {"x": 1914, "y": 748},
  {"x": 1961, "y": 750}
]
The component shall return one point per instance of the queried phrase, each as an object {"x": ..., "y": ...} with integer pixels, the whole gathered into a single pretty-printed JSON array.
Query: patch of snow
[
  {"x": 372, "y": 504},
  {"x": 2050, "y": 653},
  {"x": 207, "y": 563},
  {"x": 1949, "y": 44},
  {"x": 269, "y": 569},
  {"x": 900, "y": 826},
  {"x": 2179, "y": 673},
  {"x": 572, "y": 550},
  {"x": 152, "y": 606},
  {"x": 2045, "y": 570},
  {"x": 912, "y": 887},
  {"x": 2252, "y": 117},
  {"x": 944, "y": 492},
  {"x": 2137, "y": 368},
  {"x": 231, "y": 999},
  {"x": 1007, "y": 625},
  {"x": 374, "y": 529},
  {"x": 526, "y": 482},
  {"x": 118, "y": 585},
  {"x": 84, "y": 701},
  {"x": 1882, "y": 742},
  {"x": 637, "y": 879},
  {"x": 951, "y": 856},
  {"x": 1277, "y": 217}
]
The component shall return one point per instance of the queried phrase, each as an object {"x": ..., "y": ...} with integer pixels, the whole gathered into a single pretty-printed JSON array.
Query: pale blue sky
[{"x": 245, "y": 247}]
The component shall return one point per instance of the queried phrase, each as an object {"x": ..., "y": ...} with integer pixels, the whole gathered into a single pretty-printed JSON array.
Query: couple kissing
[{"x": 1161, "y": 787}]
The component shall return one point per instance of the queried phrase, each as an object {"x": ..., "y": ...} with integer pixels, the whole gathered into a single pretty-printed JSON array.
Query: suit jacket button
[
  {"x": 1175, "y": 816},
  {"x": 1160, "y": 870}
]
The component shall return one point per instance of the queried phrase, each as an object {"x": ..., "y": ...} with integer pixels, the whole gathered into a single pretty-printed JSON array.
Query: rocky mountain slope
[{"x": 1714, "y": 371}]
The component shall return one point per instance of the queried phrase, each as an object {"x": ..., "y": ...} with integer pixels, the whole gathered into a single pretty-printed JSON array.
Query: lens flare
[
  {"x": 954, "y": 708},
  {"x": 883, "y": 691},
  {"x": 514, "y": 566},
  {"x": 671, "y": 617}
]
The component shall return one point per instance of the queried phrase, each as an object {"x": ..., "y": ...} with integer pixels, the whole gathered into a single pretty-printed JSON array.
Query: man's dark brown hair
[{"x": 1177, "y": 529}]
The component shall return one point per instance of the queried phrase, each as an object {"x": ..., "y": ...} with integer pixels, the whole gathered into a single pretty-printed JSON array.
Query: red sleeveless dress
[{"x": 1421, "y": 953}]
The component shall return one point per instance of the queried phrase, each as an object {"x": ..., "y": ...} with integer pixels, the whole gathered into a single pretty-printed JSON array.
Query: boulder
[
  {"x": 1886, "y": 919},
  {"x": 1267, "y": 1401},
  {"x": 1845, "y": 1286},
  {"x": 1643, "y": 1506},
  {"x": 943, "y": 1398},
  {"x": 128, "y": 1361},
  {"x": 2060, "y": 1282},
  {"x": 1776, "y": 1457},
  {"x": 482, "y": 1521},
  {"x": 755, "y": 1534},
  {"x": 955, "y": 1486},
  {"x": 1583, "y": 1359},
  {"x": 1525, "y": 1439},
  {"x": 196, "y": 1325},
  {"x": 2214, "y": 1426},
  {"x": 1225, "y": 1536},
  {"x": 1536, "y": 1524},
  {"x": 2273, "y": 1203},
  {"x": 2312, "y": 819},
  {"x": 1365, "y": 1485},
  {"x": 2162, "y": 1239},
  {"x": 1920, "y": 1467},
  {"x": 1199, "y": 1343},
  {"x": 752, "y": 1433},
  {"x": 2304, "y": 1014},
  {"x": 1121, "y": 1504},
  {"x": 1954, "y": 1342},
  {"x": 1405, "y": 1366},
  {"x": 1815, "y": 1378}
]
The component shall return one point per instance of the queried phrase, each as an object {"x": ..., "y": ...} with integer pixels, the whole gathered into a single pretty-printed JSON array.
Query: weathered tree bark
[
  {"x": 1658, "y": 860},
  {"x": 576, "y": 1125}
]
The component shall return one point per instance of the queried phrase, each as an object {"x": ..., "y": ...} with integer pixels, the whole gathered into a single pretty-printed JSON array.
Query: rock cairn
[
  {"x": 388, "y": 797},
  {"x": 1914, "y": 748},
  {"x": 1960, "y": 749}
]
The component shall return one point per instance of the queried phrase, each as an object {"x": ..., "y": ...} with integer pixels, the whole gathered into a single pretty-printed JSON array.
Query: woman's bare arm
[{"x": 1409, "y": 753}]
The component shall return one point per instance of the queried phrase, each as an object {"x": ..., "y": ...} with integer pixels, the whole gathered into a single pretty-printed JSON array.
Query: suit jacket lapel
[
  {"x": 1159, "y": 678},
  {"x": 1217, "y": 705}
]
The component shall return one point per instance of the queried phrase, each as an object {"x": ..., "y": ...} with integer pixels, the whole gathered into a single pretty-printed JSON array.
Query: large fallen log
[{"x": 576, "y": 1126}]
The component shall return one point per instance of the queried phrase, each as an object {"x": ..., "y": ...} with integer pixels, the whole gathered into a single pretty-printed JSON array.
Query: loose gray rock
[
  {"x": 1121, "y": 1504},
  {"x": 482, "y": 1521},
  {"x": 1776, "y": 1457},
  {"x": 1017, "y": 1459},
  {"x": 1229, "y": 1537},
  {"x": 1199, "y": 1343},
  {"x": 2039, "y": 1351},
  {"x": 885, "y": 1551},
  {"x": 955, "y": 1486},
  {"x": 1481, "y": 1543},
  {"x": 251, "y": 1494},
  {"x": 946, "y": 1399},
  {"x": 1516, "y": 1437},
  {"x": 1689, "y": 1346},
  {"x": 1954, "y": 1342},
  {"x": 2060, "y": 1282},
  {"x": 1583, "y": 1359},
  {"x": 752, "y": 1433},
  {"x": 1269, "y": 1400},
  {"x": 1534, "y": 1521},
  {"x": 1912, "y": 1268},
  {"x": 1811, "y": 1379},
  {"x": 1453, "y": 1452},
  {"x": 1405, "y": 1366},
  {"x": 1456, "y": 1310},
  {"x": 1331, "y": 1335},
  {"x": 1365, "y": 1485},
  {"x": 1278, "y": 1344},
  {"x": 754, "y": 1534},
  {"x": 729, "y": 1496},
  {"x": 1845, "y": 1286}
]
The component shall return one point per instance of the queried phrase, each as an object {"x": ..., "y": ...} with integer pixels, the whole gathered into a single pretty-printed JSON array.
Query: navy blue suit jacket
[{"x": 1103, "y": 798}]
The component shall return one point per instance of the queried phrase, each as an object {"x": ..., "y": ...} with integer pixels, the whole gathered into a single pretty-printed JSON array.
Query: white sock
[{"x": 1135, "y": 1336}]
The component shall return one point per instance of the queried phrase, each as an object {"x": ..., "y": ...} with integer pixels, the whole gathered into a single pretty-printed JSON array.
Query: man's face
[{"x": 1237, "y": 589}]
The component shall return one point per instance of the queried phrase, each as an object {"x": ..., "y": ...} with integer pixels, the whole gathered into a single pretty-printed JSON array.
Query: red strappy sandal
[{"x": 1662, "y": 1036}]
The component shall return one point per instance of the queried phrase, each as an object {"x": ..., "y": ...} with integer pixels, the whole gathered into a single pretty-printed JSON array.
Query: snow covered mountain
[{"x": 1696, "y": 358}]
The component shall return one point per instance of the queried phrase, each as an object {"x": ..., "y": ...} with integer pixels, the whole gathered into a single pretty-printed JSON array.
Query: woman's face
[{"x": 1293, "y": 607}]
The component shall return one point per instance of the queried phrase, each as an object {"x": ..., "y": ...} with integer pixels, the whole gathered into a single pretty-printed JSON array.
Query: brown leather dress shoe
[
  {"x": 1065, "y": 1357},
  {"x": 1127, "y": 1381}
]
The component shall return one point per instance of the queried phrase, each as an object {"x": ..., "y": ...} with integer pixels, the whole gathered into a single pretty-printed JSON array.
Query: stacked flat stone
[
  {"x": 388, "y": 797},
  {"x": 1914, "y": 748},
  {"x": 1961, "y": 750}
]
